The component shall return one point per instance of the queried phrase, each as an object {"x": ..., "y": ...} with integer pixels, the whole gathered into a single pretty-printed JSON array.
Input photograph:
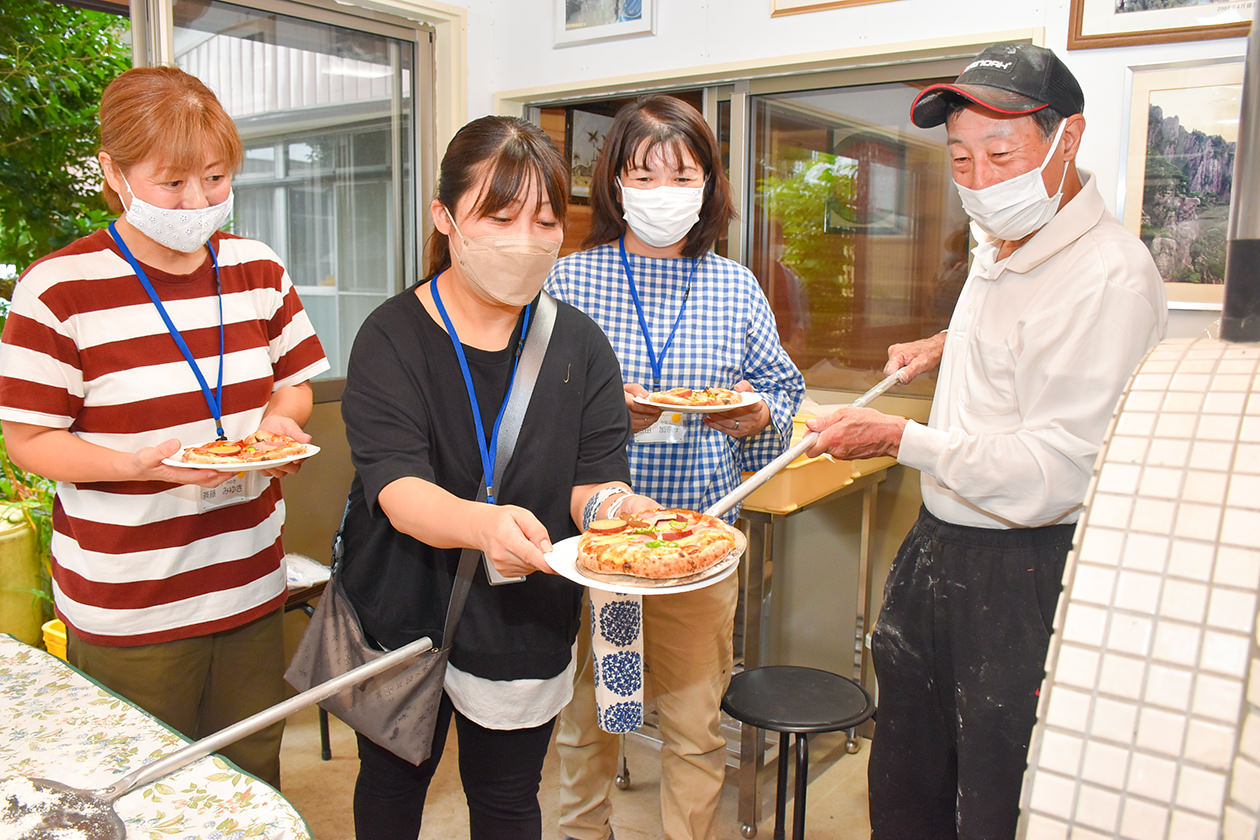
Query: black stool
[{"x": 789, "y": 699}]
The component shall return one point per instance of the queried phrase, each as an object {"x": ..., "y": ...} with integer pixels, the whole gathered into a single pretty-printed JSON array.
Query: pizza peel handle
[
  {"x": 97, "y": 805},
  {"x": 789, "y": 455}
]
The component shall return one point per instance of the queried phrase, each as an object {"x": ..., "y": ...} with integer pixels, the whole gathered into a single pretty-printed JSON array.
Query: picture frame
[
  {"x": 585, "y": 21},
  {"x": 877, "y": 206},
  {"x": 585, "y": 132},
  {"x": 1099, "y": 23},
  {"x": 779, "y": 8},
  {"x": 1178, "y": 203}
]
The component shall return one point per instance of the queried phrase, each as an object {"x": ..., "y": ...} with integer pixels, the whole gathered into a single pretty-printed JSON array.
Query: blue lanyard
[
  {"x": 213, "y": 401},
  {"x": 655, "y": 361},
  {"x": 488, "y": 448}
]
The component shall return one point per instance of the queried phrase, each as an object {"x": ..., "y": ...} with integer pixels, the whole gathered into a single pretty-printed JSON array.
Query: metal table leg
[{"x": 760, "y": 530}]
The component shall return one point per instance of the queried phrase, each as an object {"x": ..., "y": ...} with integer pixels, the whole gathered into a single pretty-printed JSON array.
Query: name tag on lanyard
[
  {"x": 670, "y": 428},
  {"x": 240, "y": 488}
]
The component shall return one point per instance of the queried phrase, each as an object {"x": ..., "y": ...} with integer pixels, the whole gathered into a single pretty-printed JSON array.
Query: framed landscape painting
[
  {"x": 1120, "y": 23},
  {"x": 1183, "y": 137}
]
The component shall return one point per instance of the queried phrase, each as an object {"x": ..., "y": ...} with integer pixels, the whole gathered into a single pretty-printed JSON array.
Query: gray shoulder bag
[{"x": 397, "y": 709}]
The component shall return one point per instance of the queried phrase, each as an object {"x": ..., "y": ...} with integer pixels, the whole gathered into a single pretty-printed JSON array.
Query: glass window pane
[
  {"x": 326, "y": 114},
  {"x": 857, "y": 233}
]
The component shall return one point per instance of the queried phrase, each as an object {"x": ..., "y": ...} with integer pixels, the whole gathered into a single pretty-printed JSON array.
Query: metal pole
[{"x": 1240, "y": 320}]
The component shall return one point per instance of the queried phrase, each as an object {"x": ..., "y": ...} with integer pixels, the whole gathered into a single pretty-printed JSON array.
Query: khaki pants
[
  {"x": 200, "y": 685},
  {"x": 688, "y": 654}
]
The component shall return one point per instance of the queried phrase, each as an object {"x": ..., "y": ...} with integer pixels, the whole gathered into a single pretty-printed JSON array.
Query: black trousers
[
  {"x": 959, "y": 653},
  {"x": 500, "y": 769}
]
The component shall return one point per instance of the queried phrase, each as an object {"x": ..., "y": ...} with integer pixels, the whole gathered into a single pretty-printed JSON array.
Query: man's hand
[
  {"x": 915, "y": 357},
  {"x": 850, "y": 433}
]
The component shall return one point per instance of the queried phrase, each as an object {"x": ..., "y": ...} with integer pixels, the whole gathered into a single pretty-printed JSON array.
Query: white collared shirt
[{"x": 1039, "y": 349}]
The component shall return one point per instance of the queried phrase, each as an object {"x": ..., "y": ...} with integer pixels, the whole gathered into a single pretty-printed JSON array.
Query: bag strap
[{"x": 509, "y": 429}]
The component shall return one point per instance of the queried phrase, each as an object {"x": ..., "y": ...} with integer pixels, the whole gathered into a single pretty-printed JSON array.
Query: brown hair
[
  {"x": 513, "y": 153},
  {"x": 659, "y": 121},
  {"x": 166, "y": 112}
]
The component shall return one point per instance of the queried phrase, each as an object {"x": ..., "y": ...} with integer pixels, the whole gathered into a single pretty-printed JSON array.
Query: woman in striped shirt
[{"x": 119, "y": 348}]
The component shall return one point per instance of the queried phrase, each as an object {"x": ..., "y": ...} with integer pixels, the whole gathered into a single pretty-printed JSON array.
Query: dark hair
[
  {"x": 1047, "y": 119},
  {"x": 652, "y": 122},
  {"x": 512, "y": 153}
]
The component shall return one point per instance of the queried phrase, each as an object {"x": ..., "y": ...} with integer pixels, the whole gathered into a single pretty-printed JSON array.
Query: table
[
  {"x": 56, "y": 723},
  {"x": 805, "y": 482}
]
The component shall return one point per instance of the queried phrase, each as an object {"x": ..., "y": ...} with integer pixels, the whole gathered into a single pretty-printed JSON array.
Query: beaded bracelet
[{"x": 596, "y": 501}]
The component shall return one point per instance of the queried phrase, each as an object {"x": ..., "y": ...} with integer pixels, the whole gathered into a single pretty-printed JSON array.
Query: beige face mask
[{"x": 505, "y": 269}]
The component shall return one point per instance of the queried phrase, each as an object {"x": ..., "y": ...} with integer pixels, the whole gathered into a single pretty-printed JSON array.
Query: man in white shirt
[{"x": 1060, "y": 304}]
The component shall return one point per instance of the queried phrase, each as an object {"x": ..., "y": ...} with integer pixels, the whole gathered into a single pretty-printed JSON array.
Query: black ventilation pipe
[{"x": 1240, "y": 320}]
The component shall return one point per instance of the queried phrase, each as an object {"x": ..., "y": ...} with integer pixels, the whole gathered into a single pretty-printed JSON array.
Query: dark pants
[
  {"x": 500, "y": 769},
  {"x": 959, "y": 653}
]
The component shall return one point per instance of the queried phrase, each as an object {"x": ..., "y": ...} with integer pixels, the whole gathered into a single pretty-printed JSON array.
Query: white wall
[{"x": 510, "y": 47}]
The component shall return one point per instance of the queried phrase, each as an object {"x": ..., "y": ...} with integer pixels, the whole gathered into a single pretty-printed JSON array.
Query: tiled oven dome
[{"x": 1149, "y": 718}]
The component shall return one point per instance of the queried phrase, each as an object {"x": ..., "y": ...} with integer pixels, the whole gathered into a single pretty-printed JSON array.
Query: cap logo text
[{"x": 989, "y": 62}]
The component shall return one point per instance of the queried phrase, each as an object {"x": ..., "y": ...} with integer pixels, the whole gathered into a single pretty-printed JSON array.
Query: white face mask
[
  {"x": 505, "y": 269},
  {"x": 661, "y": 216},
  {"x": 1015, "y": 208},
  {"x": 179, "y": 230}
]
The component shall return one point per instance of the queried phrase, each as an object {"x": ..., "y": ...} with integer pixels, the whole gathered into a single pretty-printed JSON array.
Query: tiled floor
[{"x": 321, "y": 791}]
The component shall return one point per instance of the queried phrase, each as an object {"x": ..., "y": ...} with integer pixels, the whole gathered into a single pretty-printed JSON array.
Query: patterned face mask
[{"x": 179, "y": 230}]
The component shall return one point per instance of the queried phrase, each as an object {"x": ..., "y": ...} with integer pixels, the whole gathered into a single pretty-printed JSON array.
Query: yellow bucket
[{"x": 55, "y": 638}]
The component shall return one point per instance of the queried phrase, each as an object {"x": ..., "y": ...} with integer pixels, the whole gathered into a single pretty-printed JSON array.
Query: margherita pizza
[
  {"x": 659, "y": 544},
  {"x": 260, "y": 446},
  {"x": 696, "y": 397}
]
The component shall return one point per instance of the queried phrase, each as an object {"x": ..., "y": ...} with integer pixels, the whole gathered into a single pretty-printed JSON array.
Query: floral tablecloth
[{"x": 57, "y": 724}]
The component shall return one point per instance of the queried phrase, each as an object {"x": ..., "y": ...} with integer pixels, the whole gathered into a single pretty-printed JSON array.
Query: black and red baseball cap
[{"x": 1008, "y": 78}]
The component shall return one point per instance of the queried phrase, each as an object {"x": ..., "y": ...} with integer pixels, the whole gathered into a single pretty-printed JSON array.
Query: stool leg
[
  {"x": 325, "y": 748},
  {"x": 802, "y": 779},
  {"x": 780, "y": 790}
]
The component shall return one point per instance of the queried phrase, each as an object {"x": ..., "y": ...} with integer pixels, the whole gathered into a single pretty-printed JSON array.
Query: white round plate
[
  {"x": 248, "y": 466},
  {"x": 747, "y": 398},
  {"x": 563, "y": 558}
]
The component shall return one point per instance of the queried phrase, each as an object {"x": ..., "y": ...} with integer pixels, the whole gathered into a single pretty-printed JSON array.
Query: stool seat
[
  {"x": 793, "y": 700},
  {"x": 790, "y": 698}
]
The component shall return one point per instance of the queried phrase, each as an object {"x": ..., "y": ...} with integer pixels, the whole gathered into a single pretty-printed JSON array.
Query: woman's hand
[
  {"x": 741, "y": 422},
  {"x": 148, "y": 466},
  {"x": 513, "y": 539},
  {"x": 287, "y": 410},
  {"x": 641, "y": 416},
  {"x": 280, "y": 424}
]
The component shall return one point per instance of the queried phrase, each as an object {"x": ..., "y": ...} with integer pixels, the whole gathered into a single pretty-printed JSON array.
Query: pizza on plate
[
  {"x": 658, "y": 544},
  {"x": 696, "y": 396},
  {"x": 260, "y": 446}
]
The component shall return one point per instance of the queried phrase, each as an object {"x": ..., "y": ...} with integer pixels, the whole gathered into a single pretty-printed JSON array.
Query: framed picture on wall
[
  {"x": 582, "y": 21},
  {"x": 1120, "y": 23},
  {"x": 1183, "y": 135},
  {"x": 779, "y": 8},
  {"x": 586, "y": 137}
]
